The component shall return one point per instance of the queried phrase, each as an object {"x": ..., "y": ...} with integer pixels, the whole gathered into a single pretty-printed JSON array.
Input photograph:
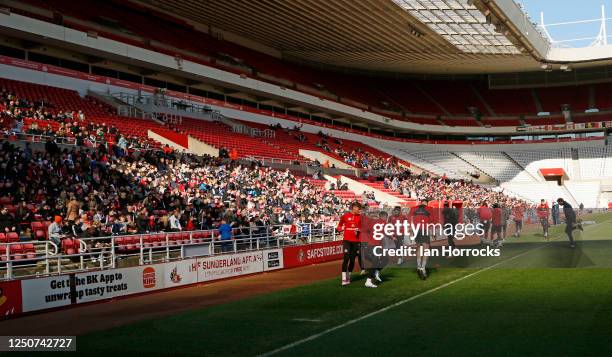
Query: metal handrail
[{"x": 276, "y": 236}]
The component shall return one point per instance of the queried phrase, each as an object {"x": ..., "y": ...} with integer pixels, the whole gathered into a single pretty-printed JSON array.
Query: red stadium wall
[{"x": 177, "y": 138}]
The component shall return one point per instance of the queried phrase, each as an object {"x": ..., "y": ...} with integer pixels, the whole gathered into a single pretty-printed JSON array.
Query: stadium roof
[
  {"x": 439, "y": 36},
  {"x": 461, "y": 24},
  {"x": 410, "y": 36}
]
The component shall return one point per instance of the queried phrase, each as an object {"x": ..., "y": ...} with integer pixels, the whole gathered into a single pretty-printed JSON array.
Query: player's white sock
[
  {"x": 418, "y": 260},
  {"x": 424, "y": 262},
  {"x": 377, "y": 275}
]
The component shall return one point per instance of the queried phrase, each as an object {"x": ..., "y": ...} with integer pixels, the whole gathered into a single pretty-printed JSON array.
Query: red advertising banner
[
  {"x": 10, "y": 298},
  {"x": 311, "y": 253}
]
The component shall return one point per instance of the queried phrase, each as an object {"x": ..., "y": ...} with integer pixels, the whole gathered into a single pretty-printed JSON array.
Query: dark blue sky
[{"x": 570, "y": 10}]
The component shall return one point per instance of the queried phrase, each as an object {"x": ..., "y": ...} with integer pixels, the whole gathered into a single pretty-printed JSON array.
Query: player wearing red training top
[
  {"x": 543, "y": 212},
  {"x": 496, "y": 225},
  {"x": 484, "y": 214},
  {"x": 350, "y": 223},
  {"x": 420, "y": 218},
  {"x": 517, "y": 217}
]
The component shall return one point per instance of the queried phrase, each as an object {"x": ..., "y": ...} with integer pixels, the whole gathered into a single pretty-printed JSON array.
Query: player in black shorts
[
  {"x": 398, "y": 239},
  {"x": 421, "y": 217}
]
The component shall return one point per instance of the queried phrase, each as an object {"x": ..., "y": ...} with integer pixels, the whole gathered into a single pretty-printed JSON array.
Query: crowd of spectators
[
  {"x": 443, "y": 189},
  {"x": 20, "y": 117},
  {"x": 103, "y": 187},
  {"x": 97, "y": 193}
]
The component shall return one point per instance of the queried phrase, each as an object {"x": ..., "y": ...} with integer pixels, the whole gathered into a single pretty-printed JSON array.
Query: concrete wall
[
  {"x": 321, "y": 157},
  {"x": 202, "y": 148}
]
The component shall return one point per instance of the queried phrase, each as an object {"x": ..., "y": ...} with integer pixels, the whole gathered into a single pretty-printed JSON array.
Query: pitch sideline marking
[{"x": 379, "y": 311}]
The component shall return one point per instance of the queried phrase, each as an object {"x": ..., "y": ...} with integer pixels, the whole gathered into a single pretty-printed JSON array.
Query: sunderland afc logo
[{"x": 174, "y": 275}]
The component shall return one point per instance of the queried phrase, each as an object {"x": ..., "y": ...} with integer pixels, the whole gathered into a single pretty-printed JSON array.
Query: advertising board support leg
[
  {"x": 140, "y": 258},
  {"x": 59, "y": 265},
  {"x": 167, "y": 249},
  {"x": 309, "y": 233},
  {"x": 235, "y": 246},
  {"x": 114, "y": 258},
  {"x": 9, "y": 269},
  {"x": 47, "y": 256}
]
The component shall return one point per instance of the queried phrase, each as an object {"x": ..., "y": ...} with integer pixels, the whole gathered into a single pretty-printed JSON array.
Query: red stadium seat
[
  {"x": 17, "y": 252},
  {"x": 3, "y": 250},
  {"x": 12, "y": 237}
]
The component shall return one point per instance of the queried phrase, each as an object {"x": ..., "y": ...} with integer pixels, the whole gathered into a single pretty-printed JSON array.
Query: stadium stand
[
  {"x": 497, "y": 165},
  {"x": 533, "y": 161},
  {"x": 454, "y": 98}
]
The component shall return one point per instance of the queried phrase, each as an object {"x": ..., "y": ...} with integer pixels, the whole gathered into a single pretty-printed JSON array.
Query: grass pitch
[{"x": 540, "y": 298}]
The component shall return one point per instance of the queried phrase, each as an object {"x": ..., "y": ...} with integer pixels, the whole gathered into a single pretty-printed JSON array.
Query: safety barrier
[
  {"x": 108, "y": 282},
  {"x": 82, "y": 254}
]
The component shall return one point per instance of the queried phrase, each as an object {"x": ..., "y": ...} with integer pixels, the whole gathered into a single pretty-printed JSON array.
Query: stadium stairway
[
  {"x": 182, "y": 142},
  {"x": 379, "y": 186},
  {"x": 220, "y": 135},
  {"x": 360, "y": 187},
  {"x": 323, "y": 157}
]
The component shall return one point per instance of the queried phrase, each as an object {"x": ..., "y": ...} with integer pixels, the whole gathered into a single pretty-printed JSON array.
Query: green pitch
[{"x": 539, "y": 298}]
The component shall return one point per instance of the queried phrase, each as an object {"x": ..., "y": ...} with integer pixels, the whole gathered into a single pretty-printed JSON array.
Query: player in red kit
[
  {"x": 420, "y": 218},
  {"x": 350, "y": 223},
  {"x": 484, "y": 214},
  {"x": 517, "y": 216},
  {"x": 543, "y": 212}
]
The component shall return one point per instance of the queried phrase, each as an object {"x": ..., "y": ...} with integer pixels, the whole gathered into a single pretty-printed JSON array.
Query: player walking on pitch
[
  {"x": 543, "y": 212},
  {"x": 369, "y": 245},
  {"x": 350, "y": 224},
  {"x": 398, "y": 239},
  {"x": 517, "y": 217},
  {"x": 570, "y": 220},
  {"x": 421, "y": 218}
]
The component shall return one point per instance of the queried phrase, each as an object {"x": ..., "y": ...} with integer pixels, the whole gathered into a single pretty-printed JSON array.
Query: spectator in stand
[
  {"x": 234, "y": 154},
  {"x": 55, "y": 231},
  {"x": 175, "y": 224},
  {"x": 23, "y": 215},
  {"x": 225, "y": 233},
  {"x": 72, "y": 209},
  {"x": 7, "y": 222}
]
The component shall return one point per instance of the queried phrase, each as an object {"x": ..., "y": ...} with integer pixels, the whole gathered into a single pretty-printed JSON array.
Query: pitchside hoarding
[
  {"x": 311, "y": 254},
  {"x": 37, "y": 294}
]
